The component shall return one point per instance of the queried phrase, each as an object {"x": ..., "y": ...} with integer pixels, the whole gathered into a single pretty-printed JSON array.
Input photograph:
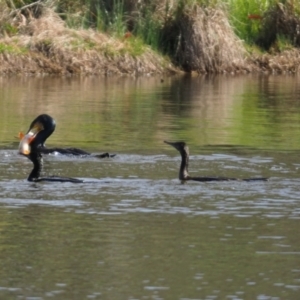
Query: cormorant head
[
  {"x": 180, "y": 146},
  {"x": 39, "y": 130}
]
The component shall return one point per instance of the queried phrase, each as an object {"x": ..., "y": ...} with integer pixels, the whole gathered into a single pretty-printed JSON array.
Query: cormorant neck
[
  {"x": 37, "y": 161},
  {"x": 183, "y": 171},
  {"x": 34, "y": 176}
]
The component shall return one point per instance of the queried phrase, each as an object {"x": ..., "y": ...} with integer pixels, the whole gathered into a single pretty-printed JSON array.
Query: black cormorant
[
  {"x": 30, "y": 146},
  {"x": 183, "y": 171}
]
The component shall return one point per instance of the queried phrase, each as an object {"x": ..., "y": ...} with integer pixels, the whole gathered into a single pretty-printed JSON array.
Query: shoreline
[{"x": 46, "y": 46}]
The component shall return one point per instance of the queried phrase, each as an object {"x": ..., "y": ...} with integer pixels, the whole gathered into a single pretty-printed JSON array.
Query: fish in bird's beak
[
  {"x": 28, "y": 138},
  {"x": 20, "y": 135}
]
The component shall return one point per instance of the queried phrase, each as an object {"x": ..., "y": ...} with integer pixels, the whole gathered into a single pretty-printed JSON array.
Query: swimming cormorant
[
  {"x": 47, "y": 123},
  {"x": 183, "y": 171},
  {"x": 30, "y": 147}
]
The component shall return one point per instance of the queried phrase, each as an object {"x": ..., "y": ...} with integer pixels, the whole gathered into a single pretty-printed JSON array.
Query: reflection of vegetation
[
  {"x": 118, "y": 114},
  {"x": 236, "y": 112},
  {"x": 265, "y": 117}
]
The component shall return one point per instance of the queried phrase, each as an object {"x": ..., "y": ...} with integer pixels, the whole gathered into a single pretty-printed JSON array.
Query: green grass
[
  {"x": 240, "y": 12},
  {"x": 9, "y": 29},
  {"x": 4, "y": 48},
  {"x": 149, "y": 29},
  {"x": 248, "y": 18},
  {"x": 83, "y": 43},
  {"x": 135, "y": 46},
  {"x": 283, "y": 43}
]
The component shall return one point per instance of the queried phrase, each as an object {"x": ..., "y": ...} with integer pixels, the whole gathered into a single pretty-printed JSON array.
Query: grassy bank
[{"x": 149, "y": 37}]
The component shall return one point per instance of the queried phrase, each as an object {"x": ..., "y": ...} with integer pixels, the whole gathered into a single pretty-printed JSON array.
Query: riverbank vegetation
[{"x": 149, "y": 36}]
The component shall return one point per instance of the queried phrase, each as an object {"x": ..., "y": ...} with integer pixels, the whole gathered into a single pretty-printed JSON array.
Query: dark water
[{"x": 132, "y": 231}]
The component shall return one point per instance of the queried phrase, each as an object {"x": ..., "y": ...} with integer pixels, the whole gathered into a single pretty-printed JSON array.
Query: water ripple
[{"x": 143, "y": 187}]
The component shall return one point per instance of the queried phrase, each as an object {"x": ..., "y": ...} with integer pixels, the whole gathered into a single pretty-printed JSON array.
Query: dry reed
[
  {"x": 207, "y": 43},
  {"x": 53, "y": 48},
  {"x": 286, "y": 62}
]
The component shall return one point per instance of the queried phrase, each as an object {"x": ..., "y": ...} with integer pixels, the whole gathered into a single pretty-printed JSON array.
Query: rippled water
[{"x": 131, "y": 230}]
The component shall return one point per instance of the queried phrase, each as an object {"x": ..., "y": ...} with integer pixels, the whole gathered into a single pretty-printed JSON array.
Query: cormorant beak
[
  {"x": 29, "y": 137},
  {"x": 177, "y": 145},
  {"x": 174, "y": 144},
  {"x": 169, "y": 143}
]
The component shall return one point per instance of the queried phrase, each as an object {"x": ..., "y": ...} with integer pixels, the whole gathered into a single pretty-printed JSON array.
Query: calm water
[{"x": 132, "y": 231}]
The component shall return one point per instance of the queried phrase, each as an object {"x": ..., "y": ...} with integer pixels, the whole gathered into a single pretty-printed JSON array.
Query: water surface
[{"x": 132, "y": 231}]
